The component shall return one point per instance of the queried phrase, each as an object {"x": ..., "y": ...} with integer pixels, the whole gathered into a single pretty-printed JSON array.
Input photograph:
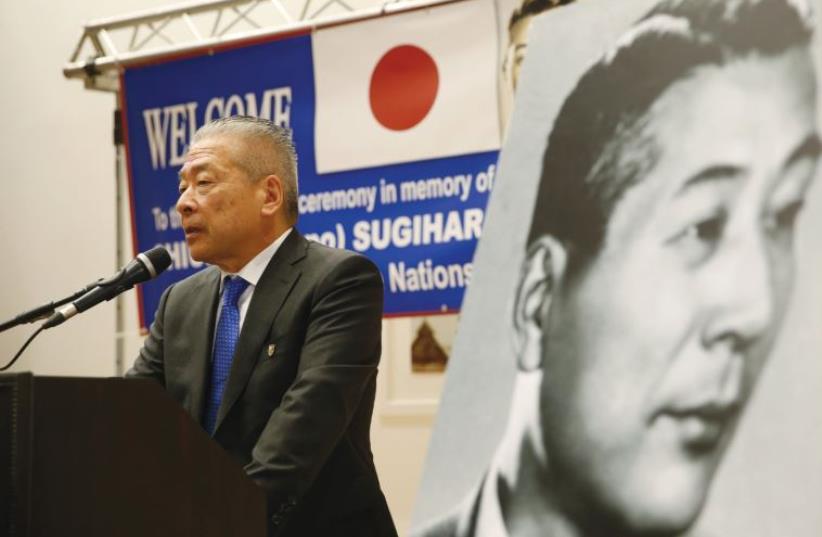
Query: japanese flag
[{"x": 406, "y": 87}]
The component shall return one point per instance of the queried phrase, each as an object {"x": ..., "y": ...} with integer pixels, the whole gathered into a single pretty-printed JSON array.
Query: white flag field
[{"x": 399, "y": 88}]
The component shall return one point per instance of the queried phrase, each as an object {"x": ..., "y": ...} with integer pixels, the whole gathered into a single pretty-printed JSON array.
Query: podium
[{"x": 114, "y": 457}]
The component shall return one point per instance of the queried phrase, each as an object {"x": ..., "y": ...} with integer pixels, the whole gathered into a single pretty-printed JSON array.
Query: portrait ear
[
  {"x": 274, "y": 194},
  {"x": 542, "y": 269}
]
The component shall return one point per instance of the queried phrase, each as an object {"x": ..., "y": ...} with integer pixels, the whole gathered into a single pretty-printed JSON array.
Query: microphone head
[
  {"x": 145, "y": 266},
  {"x": 155, "y": 261},
  {"x": 160, "y": 258}
]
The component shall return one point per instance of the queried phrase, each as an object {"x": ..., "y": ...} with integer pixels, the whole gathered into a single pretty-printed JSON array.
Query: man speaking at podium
[{"x": 274, "y": 348}]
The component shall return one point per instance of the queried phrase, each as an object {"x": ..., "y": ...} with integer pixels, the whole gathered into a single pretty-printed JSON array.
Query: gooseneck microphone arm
[
  {"x": 41, "y": 312},
  {"x": 144, "y": 267}
]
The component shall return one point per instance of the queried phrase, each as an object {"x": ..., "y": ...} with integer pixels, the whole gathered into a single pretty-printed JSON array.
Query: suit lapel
[
  {"x": 203, "y": 308},
  {"x": 269, "y": 295}
]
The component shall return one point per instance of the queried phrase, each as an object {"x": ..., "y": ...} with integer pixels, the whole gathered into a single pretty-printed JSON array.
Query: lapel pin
[{"x": 271, "y": 348}]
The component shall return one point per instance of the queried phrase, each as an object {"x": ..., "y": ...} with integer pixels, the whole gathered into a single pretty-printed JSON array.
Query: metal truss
[{"x": 107, "y": 45}]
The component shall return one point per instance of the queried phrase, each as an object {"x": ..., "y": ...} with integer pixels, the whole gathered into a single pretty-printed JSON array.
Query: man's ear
[
  {"x": 274, "y": 193},
  {"x": 542, "y": 270}
]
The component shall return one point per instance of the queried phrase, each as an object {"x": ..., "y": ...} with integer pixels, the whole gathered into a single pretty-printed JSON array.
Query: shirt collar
[{"x": 253, "y": 270}]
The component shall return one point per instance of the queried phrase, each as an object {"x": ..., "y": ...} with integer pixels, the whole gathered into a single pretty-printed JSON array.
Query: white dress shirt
[{"x": 251, "y": 273}]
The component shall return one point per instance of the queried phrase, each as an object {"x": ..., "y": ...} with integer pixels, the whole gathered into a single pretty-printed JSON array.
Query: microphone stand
[
  {"x": 47, "y": 310},
  {"x": 111, "y": 287},
  {"x": 41, "y": 312}
]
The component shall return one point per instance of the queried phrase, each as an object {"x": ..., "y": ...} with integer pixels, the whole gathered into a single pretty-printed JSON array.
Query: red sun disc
[{"x": 403, "y": 87}]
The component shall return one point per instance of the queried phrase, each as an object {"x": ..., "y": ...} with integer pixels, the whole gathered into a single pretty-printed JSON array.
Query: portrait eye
[
  {"x": 707, "y": 230},
  {"x": 698, "y": 240}
]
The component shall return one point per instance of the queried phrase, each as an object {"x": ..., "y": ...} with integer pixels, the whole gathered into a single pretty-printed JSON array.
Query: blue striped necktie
[{"x": 228, "y": 331}]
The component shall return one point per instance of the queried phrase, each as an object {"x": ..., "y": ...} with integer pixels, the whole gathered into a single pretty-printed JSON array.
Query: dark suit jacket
[{"x": 298, "y": 420}]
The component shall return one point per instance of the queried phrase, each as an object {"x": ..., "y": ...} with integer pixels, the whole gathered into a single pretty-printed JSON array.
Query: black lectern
[{"x": 114, "y": 457}]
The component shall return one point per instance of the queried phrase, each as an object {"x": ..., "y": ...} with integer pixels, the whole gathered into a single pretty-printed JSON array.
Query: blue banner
[{"x": 418, "y": 220}]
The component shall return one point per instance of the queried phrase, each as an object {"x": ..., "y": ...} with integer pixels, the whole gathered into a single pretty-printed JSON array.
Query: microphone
[
  {"x": 44, "y": 311},
  {"x": 145, "y": 266}
]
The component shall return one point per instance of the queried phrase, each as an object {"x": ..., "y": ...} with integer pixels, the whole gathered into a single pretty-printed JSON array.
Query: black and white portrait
[{"x": 638, "y": 353}]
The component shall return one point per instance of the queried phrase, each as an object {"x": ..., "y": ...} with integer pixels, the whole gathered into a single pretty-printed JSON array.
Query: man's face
[
  {"x": 517, "y": 45},
  {"x": 219, "y": 204},
  {"x": 652, "y": 349}
]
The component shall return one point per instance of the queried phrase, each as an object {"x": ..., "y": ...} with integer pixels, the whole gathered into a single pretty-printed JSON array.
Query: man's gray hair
[{"x": 273, "y": 154}]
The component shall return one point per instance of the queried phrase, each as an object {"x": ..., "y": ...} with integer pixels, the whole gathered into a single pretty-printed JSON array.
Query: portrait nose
[{"x": 745, "y": 295}]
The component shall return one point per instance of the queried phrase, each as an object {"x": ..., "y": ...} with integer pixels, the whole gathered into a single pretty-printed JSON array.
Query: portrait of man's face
[
  {"x": 515, "y": 53},
  {"x": 659, "y": 369},
  {"x": 651, "y": 348},
  {"x": 518, "y": 29}
]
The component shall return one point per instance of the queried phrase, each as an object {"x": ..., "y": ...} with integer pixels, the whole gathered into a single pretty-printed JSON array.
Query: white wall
[
  {"x": 57, "y": 223},
  {"x": 57, "y": 226}
]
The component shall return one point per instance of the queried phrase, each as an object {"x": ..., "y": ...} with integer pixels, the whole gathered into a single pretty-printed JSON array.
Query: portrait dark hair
[
  {"x": 599, "y": 146},
  {"x": 533, "y": 7}
]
